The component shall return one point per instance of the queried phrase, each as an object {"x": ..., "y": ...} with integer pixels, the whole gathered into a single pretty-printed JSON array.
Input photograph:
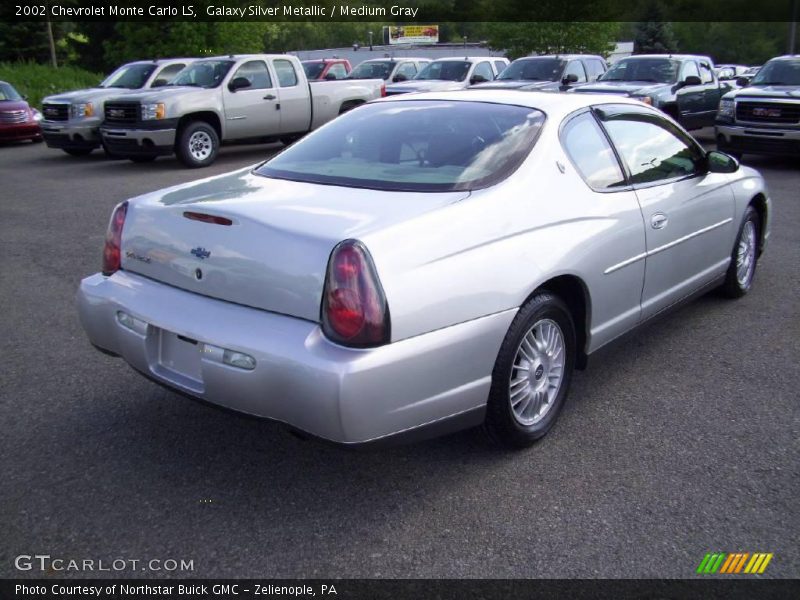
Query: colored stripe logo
[{"x": 729, "y": 563}]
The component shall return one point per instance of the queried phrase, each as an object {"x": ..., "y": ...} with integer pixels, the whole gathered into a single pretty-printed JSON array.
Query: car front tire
[
  {"x": 742, "y": 269},
  {"x": 532, "y": 373},
  {"x": 198, "y": 144}
]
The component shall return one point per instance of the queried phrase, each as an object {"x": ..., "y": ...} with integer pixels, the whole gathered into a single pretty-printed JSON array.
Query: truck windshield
[
  {"x": 313, "y": 69},
  {"x": 379, "y": 69},
  {"x": 656, "y": 70},
  {"x": 535, "y": 69},
  {"x": 7, "y": 92},
  {"x": 203, "y": 73},
  {"x": 413, "y": 145},
  {"x": 778, "y": 72},
  {"x": 449, "y": 70},
  {"x": 131, "y": 77}
]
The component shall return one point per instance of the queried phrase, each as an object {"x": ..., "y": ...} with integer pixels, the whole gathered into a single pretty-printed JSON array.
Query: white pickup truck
[{"x": 256, "y": 97}]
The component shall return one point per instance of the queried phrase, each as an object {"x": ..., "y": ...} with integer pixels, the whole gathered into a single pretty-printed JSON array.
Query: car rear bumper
[
  {"x": 425, "y": 385},
  {"x": 62, "y": 135},
  {"x": 757, "y": 140},
  {"x": 139, "y": 142}
]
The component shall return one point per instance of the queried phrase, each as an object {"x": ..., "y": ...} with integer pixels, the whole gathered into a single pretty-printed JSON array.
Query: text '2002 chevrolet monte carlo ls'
[{"x": 424, "y": 263}]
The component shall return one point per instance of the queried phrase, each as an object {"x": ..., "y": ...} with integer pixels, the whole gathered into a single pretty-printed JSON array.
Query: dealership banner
[
  {"x": 404, "y": 13},
  {"x": 411, "y": 34},
  {"x": 395, "y": 589}
]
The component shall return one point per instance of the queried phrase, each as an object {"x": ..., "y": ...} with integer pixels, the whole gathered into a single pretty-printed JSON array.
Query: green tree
[
  {"x": 654, "y": 35},
  {"x": 750, "y": 43},
  {"x": 522, "y": 39}
]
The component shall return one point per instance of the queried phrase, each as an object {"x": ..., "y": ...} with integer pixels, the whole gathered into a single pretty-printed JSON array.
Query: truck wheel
[
  {"x": 78, "y": 151},
  {"x": 198, "y": 144}
]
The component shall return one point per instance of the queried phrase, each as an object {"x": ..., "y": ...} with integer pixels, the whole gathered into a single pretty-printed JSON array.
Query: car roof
[
  {"x": 787, "y": 57},
  {"x": 396, "y": 59},
  {"x": 325, "y": 60},
  {"x": 554, "y": 104},
  {"x": 564, "y": 56},
  {"x": 160, "y": 61},
  {"x": 469, "y": 58},
  {"x": 673, "y": 56}
]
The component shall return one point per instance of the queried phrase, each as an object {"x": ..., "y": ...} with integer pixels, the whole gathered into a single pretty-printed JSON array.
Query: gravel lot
[{"x": 681, "y": 441}]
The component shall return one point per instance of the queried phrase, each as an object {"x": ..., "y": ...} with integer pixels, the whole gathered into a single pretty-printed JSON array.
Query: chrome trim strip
[
  {"x": 235, "y": 118},
  {"x": 638, "y": 257}
]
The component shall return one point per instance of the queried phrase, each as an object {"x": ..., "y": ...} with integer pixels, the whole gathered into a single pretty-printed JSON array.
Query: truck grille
[
  {"x": 122, "y": 113},
  {"x": 768, "y": 112},
  {"x": 56, "y": 112},
  {"x": 13, "y": 116}
]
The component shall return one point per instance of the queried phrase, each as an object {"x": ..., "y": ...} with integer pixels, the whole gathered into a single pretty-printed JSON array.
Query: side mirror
[
  {"x": 160, "y": 82},
  {"x": 477, "y": 79},
  {"x": 330, "y": 77},
  {"x": 742, "y": 81},
  {"x": 692, "y": 80},
  {"x": 719, "y": 162},
  {"x": 239, "y": 83},
  {"x": 399, "y": 77},
  {"x": 571, "y": 78}
]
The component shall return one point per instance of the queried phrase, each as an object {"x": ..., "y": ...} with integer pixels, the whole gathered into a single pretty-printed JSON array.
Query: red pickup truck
[{"x": 326, "y": 69}]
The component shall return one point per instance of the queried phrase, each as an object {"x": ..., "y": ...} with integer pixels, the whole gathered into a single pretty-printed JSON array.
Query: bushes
[{"x": 37, "y": 81}]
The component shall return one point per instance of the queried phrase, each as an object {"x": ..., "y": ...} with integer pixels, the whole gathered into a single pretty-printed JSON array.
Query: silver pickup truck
[
  {"x": 257, "y": 97},
  {"x": 72, "y": 119}
]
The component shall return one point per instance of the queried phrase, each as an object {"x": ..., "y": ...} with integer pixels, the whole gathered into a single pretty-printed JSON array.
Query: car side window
[
  {"x": 255, "y": 71},
  {"x": 653, "y": 149},
  {"x": 408, "y": 69},
  {"x": 706, "y": 76},
  {"x": 499, "y": 65},
  {"x": 169, "y": 72},
  {"x": 594, "y": 68},
  {"x": 484, "y": 69},
  {"x": 689, "y": 68},
  {"x": 590, "y": 152},
  {"x": 287, "y": 77},
  {"x": 336, "y": 70},
  {"x": 575, "y": 67}
]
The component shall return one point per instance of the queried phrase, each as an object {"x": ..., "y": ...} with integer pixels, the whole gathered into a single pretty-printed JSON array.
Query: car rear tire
[
  {"x": 532, "y": 373},
  {"x": 742, "y": 270},
  {"x": 78, "y": 151},
  {"x": 198, "y": 144}
]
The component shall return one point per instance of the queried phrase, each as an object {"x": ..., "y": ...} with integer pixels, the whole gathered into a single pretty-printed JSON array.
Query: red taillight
[
  {"x": 206, "y": 218},
  {"x": 354, "y": 311},
  {"x": 383, "y": 90},
  {"x": 112, "y": 250}
]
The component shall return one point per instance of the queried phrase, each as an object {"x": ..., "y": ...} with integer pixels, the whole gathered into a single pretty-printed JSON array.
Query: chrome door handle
[{"x": 658, "y": 221}]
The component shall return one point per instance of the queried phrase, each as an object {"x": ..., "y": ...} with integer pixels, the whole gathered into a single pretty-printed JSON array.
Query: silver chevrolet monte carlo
[{"x": 424, "y": 263}]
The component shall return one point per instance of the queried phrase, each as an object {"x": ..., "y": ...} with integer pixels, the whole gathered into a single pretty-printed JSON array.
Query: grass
[{"x": 37, "y": 81}]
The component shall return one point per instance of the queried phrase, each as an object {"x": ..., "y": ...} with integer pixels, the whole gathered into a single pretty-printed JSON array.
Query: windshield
[
  {"x": 7, "y": 92},
  {"x": 535, "y": 69},
  {"x": 414, "y": 145},
  {"x": 656, "y": 70},
  {"x": 313, "y": 69},
  {"x": 203, "y": 73},
  {"x": 778, "y": 72},
  {"x": 132, "y": 77},
  {"x": 449, "y": 70},
  {"x": 380, "y": 69}
]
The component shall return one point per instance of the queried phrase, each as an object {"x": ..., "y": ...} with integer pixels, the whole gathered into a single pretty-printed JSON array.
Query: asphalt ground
[{"x": 680, "y": 441}]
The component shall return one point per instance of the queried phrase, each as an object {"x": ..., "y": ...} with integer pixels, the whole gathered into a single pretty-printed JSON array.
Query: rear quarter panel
[{"x": 328, "y": 96}]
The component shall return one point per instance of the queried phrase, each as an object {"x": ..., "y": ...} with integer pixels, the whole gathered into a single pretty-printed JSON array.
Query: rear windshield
[
  {"x": 449, "y": 70},
  {"x": 413, "y": 145},
  {"x": 535, "y": 69},
  {"x": 132, "y": 77},
  {"x": 372, "y": 70},
  {"x": 313, "y": 69}
]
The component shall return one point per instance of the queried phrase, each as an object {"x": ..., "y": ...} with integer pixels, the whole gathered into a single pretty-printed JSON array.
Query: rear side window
[
  {"x": 285, "y": 72},
  {"x": 591, "y": 153},
  {"x": 414, "y": 145},
  {"x": 499, "y": 65},
  {"x": 338, "y": 70},
  {"x": 594, "y": 68}
]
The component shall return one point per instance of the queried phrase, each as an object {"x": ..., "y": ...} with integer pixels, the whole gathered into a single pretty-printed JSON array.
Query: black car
[{"x": 551, "y": 73}]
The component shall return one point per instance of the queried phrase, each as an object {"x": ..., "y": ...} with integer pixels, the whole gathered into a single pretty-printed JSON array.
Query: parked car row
[{"x": 190, "y": 107}]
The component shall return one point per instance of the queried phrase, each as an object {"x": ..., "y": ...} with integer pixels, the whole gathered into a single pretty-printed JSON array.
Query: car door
[
  {"x": 690, "y": 98},
  {"x": 251, "y": 111},
  {"x": 613, "y": 264},
  {"x": 711, "y": 94},
  {"x": 294, "y": 100},
  {"x": 688, "y": 212}
]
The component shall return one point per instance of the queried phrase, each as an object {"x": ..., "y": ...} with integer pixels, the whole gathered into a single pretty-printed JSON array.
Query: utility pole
[
  {"x": 793, "y": 28},
  {"x": 52, "y": 42}
]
